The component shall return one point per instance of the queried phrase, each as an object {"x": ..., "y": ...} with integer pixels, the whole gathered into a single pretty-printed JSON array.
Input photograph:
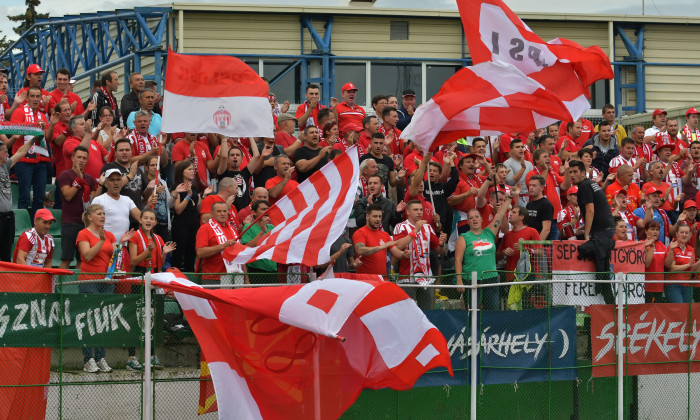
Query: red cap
[
  {"x": 470, "y": 155},
  {"x": 34, "y": 68},
  {"x": 351, "y": 127},
  {"x": 622, "y": 191},
  {"x": 689, "y": 203},
  {"x": 44, "y": 214},
  {"x": 651, "y": 189},
  {"x": 663, "y": 139},
  {"x": 572, "y": 190},
  {"x": 658, "y": 112},
  {"x": 348, "y": 86},
  {"x": 691, "y": 111}
]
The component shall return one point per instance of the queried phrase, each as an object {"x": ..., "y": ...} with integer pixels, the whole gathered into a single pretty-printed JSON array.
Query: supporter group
[{"x": 180, "y": 199}]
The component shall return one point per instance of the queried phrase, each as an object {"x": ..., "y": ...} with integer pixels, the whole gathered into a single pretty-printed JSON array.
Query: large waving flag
[
  {"x": 307, "y": 351},
  {"x": 215, "y": 94},
  {"x": 495, "y": 33},
  {"x": 309, "y": 219},
  {"x": 486, "y": 99}
]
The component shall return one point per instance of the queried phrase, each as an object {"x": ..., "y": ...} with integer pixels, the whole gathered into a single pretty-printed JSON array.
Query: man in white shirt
[{"x": 117, "y": 207}]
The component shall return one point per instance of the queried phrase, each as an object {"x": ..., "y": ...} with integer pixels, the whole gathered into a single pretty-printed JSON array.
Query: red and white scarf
[
  {"x": 110, "y": 98},
  {"x": 419, "y": 259},
  {"x": 221, "y": 238},
  {"x": 142, "y": 144},
  {"x": 153, "y": 262},
  {"x": 691, "y": 135}
]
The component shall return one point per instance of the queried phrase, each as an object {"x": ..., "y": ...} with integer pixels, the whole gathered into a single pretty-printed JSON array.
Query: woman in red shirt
[
  {"x": 680, "y": 260},
  {"x": 655, "y": 255},
  {"x": 96, "y": 248}
]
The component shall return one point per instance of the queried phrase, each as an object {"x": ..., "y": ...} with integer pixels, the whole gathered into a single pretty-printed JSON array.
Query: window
[
  {"x": 600, "y": 94},
  {"x": 354, "y": 73},
  {"x": 398, "y": 31},
  {"x": 288, "y": 88},
  {"x": 393, "y": 78},
  {"x": 254, "y": 64},
  {"x": 435, "y": 76}
]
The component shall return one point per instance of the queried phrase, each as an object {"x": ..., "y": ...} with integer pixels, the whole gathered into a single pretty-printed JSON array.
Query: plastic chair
[
  {"x": 14, "y": 188},
  {"x": 22, "y": 221},
  {"x": 55, "y": 230}
]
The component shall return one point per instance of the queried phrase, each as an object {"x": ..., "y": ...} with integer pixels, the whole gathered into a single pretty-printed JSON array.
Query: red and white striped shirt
[{"x": 618, "y": 160}]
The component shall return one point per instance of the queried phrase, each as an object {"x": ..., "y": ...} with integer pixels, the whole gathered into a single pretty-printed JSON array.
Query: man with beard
[
  {"x": 231, "y": 168},
  {"x": 371, "y": 243},
  {"x": 385, "y": 163},
  {"x": 310, "y": 157},
  {"x": 391, "y": 213}
]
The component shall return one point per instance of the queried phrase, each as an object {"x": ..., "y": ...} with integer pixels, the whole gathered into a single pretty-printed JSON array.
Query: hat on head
[
  {"x": 112, "y": 171},
  {"x": 688, "y": 112},
  {"x": 622, "y": 191},
  {"x": 408, "y": 92},
  {"x": 572, "y": 190},
  {"x": 658, "y": 112},
  {"x": 348, "y": 86},
  {"x": 285, "y": 117},
  {"x": 651, "y": 189},
  {"x": 351, "y": 127},
  {"x": 44, "y": 214},
  {"x": 34, "y": 68},
  {"x": 689, "y": 203}
]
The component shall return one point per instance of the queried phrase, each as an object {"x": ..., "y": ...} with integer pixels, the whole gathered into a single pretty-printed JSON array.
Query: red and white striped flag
[
  {"x": 274, "y": 352},
  {"x": 215, "y": 94},
  {"x": 482, "y": 100},
  {"x": 309, "y": 219}
]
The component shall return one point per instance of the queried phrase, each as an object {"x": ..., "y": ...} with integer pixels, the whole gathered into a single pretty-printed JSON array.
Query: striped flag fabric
[
  {"x": 309, "y": 219},
  {"x": 307, "y": 351},
  {"x": 486, "y": 99},
  {"x": 215, "y": 94}
]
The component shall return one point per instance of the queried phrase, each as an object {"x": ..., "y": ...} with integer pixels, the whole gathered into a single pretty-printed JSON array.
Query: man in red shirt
[
  {"x": 198, "y": 153},
  {"x": 285, "y": 130},
  {"x": 213, "y": 237},
  {"x": 81, "y": 136},
  {"x": 555, "y": 184},
  {"x": 63, "y": 91},
  {"x": 392, "y": 134},
  {"x": 307, "y": 113},
  {"x": 547, "y": 143},
  {"x": 227, "y": 190},
  {"x": 519, "y": 231},
  {"x": 463, "y": 198},
  {"x": 370, "y": 125},
  {"x": 34, "y": 78},
  {"x": 371, "y": 243},
  {"x": 587, "y": 130},
  {"x": 281, "y": 184},
  {"x": 58, "y": 133},
  {"x": 568, "y": 145},
  {"x": 569, "y": 218},
  {"x": 623, "y": 180},
  {"x": 347, "y": 110},
  {"x": 35, "y": 247}
]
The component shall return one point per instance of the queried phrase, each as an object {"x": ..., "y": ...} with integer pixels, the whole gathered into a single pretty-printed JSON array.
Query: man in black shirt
[
  {"x": 267, "y": 168},
  {"x": 309, "y": 158},
  {"x": 231, "y": 168},
  {"x": 385, "y": 163},
  {"x": 540, "y": 211}
]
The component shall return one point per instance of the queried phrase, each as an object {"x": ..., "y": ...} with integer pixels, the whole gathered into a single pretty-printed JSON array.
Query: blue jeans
[
  {"x": 103, "y": 288},
  {"x": 31, "y": 177},
  {"x": 675, "y": 293},
  {"x": 489, "y": 297},
  {"x": 553, "y": 232}
]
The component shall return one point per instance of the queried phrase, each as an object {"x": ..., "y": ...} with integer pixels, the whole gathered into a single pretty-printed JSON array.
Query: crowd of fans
[{"x": 180, "y": 199}]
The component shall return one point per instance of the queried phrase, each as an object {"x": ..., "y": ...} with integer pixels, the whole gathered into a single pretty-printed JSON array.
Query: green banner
[{"x": 77, "y": 320}]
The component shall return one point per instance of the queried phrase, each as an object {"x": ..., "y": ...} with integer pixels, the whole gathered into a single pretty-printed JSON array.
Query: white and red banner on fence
[
  {"x": 660, "y": 338},
  {"x": 627, "y": 257},
  {"x": 277, "y": 352}
]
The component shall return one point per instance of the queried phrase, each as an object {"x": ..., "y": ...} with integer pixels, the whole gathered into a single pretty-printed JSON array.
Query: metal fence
[{"x": 556, "y": 355}]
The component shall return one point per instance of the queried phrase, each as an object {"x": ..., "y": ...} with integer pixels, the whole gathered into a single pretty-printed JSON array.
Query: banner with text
[
  {"x": 76, "y": 320},
  {"x": 660, "y": 338},
  {"x": 627, "y": 257},
  {"x": 514, "y": 346}
]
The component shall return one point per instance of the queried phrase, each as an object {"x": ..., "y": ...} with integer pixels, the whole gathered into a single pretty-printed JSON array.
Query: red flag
[
  {"x": 495, "y": 33},
  {"x": 314, "y": 213},
  {"x": 215, "y": 94},
  {"x": 273, "y": 352},
  {"x": 22, "y": 367},
  {"x": 486, "y": 99},
  {"x": 207, "y": 396}
]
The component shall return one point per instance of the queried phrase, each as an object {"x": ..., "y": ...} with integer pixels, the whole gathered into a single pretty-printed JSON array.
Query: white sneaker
[
  {"x": 91, "y": 366},
  {"x": 103, "y": 366}
]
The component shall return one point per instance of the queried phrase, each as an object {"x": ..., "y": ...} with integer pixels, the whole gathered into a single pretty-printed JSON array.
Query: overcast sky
[{"x": 630, "y": 7}]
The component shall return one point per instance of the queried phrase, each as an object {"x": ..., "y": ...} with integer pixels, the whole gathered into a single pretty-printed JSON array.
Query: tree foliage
[{"x": 27, "y": 19}]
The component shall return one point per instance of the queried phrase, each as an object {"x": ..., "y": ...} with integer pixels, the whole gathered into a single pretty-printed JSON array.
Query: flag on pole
[
  {"x": 309, "y": 219},
  {"x": 277, "y": 352},
  {"x": 486, "y": 100},
  {"x": 215, "y": 94}
]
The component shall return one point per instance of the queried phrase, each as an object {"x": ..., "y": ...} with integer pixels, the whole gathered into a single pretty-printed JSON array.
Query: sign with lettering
[
  {"x": 660, "y": 338},
  {"x": 514, "y": 346},
  {"x": 76, "y": 320},
  {"x": 627, "y": 257}
]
